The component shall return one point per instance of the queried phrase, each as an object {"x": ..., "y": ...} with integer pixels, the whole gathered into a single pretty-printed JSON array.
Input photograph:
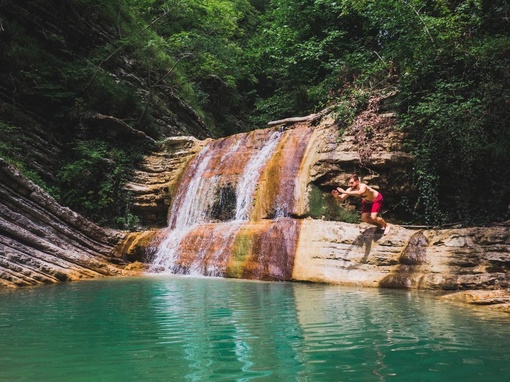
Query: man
[{"x": 371, "y": 199}]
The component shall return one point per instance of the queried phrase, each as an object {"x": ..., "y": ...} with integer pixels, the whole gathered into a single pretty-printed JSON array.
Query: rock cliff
[
  {"x": 311, "y": 248},
  {"x": 156, "y": 177},
  {"x": 331, "y": 155},
  {"x": 43, "y": 242}
]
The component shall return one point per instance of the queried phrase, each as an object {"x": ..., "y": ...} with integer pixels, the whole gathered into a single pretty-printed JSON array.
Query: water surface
[{"x": 166, "y": 328}]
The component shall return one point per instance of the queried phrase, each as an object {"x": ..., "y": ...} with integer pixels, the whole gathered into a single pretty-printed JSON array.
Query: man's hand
[{"x": 340, "y": 190}]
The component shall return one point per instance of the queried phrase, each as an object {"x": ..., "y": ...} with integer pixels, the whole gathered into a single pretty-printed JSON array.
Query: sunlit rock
[
  {"x": 258, "y": 205},
  {"x": 43, "y": 242}
]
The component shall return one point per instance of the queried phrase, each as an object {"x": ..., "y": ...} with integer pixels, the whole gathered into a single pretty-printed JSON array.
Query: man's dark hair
[{"x": 354, "y": 177}]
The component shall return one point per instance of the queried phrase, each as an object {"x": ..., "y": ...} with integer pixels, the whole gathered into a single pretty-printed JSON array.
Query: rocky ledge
[
  {"x": 152, "y": 183},
  {"x": 469, "y": 265},
  {"x": 43, "y": 242},
  {"x": 447, "y": 259}
]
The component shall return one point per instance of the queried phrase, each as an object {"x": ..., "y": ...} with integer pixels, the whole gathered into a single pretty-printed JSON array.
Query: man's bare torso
[{"x": 368, "y": 195}]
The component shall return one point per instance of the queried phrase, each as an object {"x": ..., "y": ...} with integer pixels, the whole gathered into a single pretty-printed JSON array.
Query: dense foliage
[
  {"x": 241, "y": 63},
  {"x": 449, "y": 62},
  {"x": 207, "y": 40}
]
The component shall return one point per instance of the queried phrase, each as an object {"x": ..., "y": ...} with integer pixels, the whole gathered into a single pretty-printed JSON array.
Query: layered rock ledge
[
  {"x": 446, "y": 259},
  {"x": 461, "y": 260},
  {"x": 43, "y": 242},
  {"x": 155, "y": 178}
]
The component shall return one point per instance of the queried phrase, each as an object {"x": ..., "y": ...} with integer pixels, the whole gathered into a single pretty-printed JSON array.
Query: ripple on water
[{"x": 168, "y": 328}]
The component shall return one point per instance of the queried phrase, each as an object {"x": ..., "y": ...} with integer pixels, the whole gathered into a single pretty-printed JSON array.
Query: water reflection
[
  {"x": 230, "y": 326},
  {"x": 188, "y": 329},
  {"x": 386, "y": 333}
]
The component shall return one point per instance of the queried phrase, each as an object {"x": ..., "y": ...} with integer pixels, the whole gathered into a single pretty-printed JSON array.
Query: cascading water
[
  {"x": 188, "y": 211},
  {"x": 230, "y": 215},
  {"x": 192, "y": 204},
  {"x": 248, "y": 182}
]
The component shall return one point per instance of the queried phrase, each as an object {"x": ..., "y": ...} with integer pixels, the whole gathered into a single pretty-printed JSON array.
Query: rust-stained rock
[
  {"x": 324, "y": 250},
  {"x": 344, "y": 253},
  {"x": 315, "y": 154}
]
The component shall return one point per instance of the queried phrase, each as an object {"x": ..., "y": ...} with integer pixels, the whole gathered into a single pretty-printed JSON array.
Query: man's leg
[
  {"x": 380, "y": 222},
  {"x": 367, "y": 218},
  {"x": 377, "y": 220}
]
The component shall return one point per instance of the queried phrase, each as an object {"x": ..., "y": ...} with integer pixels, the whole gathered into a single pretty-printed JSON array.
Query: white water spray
[
  {"x": 248, "y": 182},
  {"x": 193, "y": 202}
]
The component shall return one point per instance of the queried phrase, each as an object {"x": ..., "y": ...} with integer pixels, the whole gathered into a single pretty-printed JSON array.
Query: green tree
[
  {"x": 241, "y": 63},
  {"x": 93, "y": 180},
  {"x": 447, "y": 59},
  {"x": 206, "y": 38}
]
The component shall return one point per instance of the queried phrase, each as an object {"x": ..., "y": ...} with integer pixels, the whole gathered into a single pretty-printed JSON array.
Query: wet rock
[
  {"x": 498, "y": 300},
  {"x": 139, "y": 246}
]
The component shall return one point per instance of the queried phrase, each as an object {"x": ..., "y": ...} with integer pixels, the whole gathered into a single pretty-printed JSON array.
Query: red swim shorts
[{"x": 375, "y": 206}]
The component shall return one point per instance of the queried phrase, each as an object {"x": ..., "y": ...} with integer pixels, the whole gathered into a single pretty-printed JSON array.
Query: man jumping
[{"x": 371, "y": 199}]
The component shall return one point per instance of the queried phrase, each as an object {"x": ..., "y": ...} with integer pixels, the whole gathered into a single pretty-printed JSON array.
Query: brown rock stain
[
  {"x": 267, "y": 250},
  {"x": 276, "y": 194}
]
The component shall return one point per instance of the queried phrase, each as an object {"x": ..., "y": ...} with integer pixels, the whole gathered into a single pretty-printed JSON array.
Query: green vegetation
[
  {"x": 324, "y": 206},
  {"x": 93, "y": 180},
  {"x": 448, "y": 62},
  {"x": 241, "y": 63}
]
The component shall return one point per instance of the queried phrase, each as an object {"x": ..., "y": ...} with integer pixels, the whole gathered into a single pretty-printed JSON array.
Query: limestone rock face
[
  {"x": 449, "y": 259},
  {"x": 342, "y": 253},
  {"x": 43, "y": 242},
  {"x": 156, "y": 178},
  {"x": 334, "y": 154},
  {"x": 328, "y": 159}
]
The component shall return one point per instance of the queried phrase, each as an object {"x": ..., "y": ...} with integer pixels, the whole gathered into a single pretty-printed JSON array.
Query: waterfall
[
  {"x": 192, "y": 203},
  {"x": 231, "y": 214},
  {"x": 248, "y": 182},
  {"x": 188, "y": 210}
]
